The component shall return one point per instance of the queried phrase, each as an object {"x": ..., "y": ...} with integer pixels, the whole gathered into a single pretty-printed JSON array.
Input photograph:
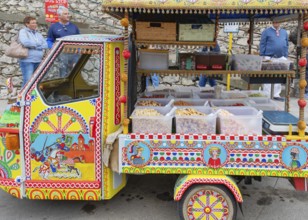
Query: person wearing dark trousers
[{"x": 203, "y": 79}]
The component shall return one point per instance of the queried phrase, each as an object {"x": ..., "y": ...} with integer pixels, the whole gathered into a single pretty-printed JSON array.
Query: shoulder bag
[{"x": 16, "y": 49}]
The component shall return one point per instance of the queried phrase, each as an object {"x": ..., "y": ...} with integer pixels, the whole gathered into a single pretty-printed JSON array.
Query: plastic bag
[{"x": 155, "y": 80}]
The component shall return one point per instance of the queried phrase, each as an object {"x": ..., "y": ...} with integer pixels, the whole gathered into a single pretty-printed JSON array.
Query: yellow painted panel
[{"x": 112, "y": 50}]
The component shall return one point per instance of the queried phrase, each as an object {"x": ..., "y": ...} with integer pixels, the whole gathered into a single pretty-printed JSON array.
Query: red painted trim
[
  {"x": 8, "y": 182},
  {"x": 9, "y": 130},
  {"x": 63, "y": 184},
  {"x": 212, "y": 137},
  {"x": 117, "y": 86}
]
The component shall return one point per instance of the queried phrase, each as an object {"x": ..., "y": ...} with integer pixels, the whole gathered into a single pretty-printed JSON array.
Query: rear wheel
[{"x": 208, "y": 202}]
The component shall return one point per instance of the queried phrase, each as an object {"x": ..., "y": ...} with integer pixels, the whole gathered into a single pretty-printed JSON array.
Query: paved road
[{"x": 150, "y": 197}]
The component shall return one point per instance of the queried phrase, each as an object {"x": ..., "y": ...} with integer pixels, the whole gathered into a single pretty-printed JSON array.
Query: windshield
[{"x": 73, "y": 74}]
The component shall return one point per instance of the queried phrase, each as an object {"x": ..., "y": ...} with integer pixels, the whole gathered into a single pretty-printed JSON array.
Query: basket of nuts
[
  {"x": 190, "y": 102},
  {"x": 228, "y": 103},
  {"x": 152, "y": 119},
  {"x": 195, "y": 120},
  {"x": 154, "y": 102},
  {"x": 239, "y": 121}
]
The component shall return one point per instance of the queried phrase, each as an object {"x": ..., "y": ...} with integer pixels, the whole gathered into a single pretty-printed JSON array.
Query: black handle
[
  {"x": 155, "y": 24},
  {"x": 196, "y": 26}
]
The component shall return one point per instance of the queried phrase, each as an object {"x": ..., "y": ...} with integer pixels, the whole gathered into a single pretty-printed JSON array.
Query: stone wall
[{"x": 88, "y": 16}]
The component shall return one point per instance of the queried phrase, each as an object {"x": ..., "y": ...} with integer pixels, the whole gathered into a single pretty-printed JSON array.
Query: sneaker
[{"x": 280, "y": 99}]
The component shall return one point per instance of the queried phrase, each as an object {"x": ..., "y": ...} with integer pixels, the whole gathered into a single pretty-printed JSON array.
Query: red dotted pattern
[
  {"x": 250, "y": 151},
  {"x": 27, "y": 140},
  {"x": 6, "y": 182},
  {"x": 117, "y": 86},
  {"x": 98, "y": 138},
  {"x": 98, "y": 144},
  {"x": 63, "y": 185},
  {"x": 161, "y": 136}
]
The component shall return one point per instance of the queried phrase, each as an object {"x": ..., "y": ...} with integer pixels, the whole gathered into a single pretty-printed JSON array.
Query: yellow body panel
[{"x": 111, "y": 51}]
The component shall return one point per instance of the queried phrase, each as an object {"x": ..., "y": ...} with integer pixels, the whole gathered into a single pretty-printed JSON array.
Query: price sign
[
  {"x": 231, "y": 27},
  {"x": 51, "y": 7}
]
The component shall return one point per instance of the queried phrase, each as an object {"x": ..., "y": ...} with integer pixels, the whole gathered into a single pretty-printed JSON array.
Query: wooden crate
[
  {"x": 202, "y": 61},
  {"x": 161, "y": 31},
  {"x": 218, "y": 61},
  {"x": 197, "y": 32}
]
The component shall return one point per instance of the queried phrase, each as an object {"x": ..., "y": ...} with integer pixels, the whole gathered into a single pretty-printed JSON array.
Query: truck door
[{"x": 62, "y": 124}]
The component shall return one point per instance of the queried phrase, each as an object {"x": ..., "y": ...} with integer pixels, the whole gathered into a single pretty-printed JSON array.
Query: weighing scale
[{"x": 277, "y": 122}]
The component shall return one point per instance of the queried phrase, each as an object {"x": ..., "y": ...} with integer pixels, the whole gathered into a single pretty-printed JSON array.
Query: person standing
[
  {"x": 274, "y": 43},
  {"x": 30, "y": 38},
  {"x": 203, "y": 79},
  {"x": 62, "y": 28}
]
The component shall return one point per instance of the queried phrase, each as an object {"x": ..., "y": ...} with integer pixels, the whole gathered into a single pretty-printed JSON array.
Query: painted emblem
[
  {"x": 138, "y": 154},
  {"x": 215, "y": 155},
  {"x": 294, "y": 157}
]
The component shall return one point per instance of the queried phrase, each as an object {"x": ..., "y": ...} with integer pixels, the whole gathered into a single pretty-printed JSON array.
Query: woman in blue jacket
[{"x": 35, "y": 42}]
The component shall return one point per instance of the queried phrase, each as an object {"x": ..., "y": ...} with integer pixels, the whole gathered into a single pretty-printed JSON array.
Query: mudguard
[{"x": 185, "y": 181}]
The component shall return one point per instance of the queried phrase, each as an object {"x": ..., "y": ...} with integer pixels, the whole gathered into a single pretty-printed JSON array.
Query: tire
[{"x": 227, "y": 209}]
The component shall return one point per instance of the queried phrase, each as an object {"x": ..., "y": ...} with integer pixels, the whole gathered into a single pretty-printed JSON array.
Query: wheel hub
[{"x": 207, "y": 210}]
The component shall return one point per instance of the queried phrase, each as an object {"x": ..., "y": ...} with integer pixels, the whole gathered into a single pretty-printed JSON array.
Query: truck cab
[{"x": 52, "y": 137}]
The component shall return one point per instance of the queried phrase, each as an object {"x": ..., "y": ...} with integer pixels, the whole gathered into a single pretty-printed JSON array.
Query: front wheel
[{"x": 207, "y": 202}]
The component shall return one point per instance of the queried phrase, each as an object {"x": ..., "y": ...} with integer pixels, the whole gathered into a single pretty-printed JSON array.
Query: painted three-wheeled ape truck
[{"x": 68, "y": 136}]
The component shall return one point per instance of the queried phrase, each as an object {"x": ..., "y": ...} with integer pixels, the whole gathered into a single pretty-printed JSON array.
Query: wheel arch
[{"x": 184, "y": 182}]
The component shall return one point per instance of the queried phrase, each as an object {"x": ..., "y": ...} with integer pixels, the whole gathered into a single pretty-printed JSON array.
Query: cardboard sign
[{"x": 51, "y": 7}]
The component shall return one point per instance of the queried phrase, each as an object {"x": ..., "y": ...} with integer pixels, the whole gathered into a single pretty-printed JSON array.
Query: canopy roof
[
  {"x": 199, "y": 5},
  {"x": 92, "y": 38},
  {"x": 229, "y": 10}
]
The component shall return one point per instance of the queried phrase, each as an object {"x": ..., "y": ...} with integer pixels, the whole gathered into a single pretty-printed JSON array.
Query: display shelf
[
  {"x": 269, "y": 73},
  {"x": 174, "y": 43}
]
